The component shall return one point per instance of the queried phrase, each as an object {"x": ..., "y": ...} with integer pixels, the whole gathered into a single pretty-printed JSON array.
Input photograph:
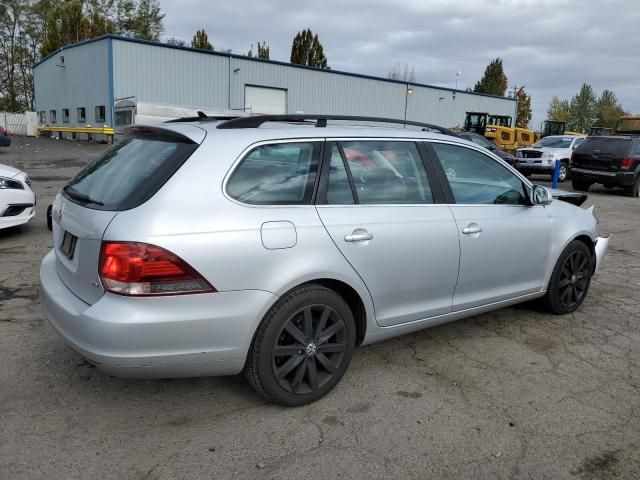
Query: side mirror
[{"x": 541, "y": 195}]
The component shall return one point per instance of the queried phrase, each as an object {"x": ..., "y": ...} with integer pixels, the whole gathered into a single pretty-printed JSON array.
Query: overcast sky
[{"x": 550, "y": 46}]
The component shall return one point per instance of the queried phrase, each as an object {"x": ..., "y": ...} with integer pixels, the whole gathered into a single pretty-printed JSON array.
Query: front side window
[
  {"x": 65, "y": 115},
  {"x": 100, "y": 113},
  {"x": 82, "y": 116},
  {"x": 476, "y": 178},
  {"x": 276, "y": 174},
  {"x": 382, "y": 172}
]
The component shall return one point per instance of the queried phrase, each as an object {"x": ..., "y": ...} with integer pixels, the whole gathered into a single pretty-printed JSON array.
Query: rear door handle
[
  {"x": 472, "y": 228},
  {"x": 358, "y": 237}
]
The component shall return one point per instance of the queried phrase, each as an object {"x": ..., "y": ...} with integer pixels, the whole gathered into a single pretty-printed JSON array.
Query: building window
[
  {"x": 65, "y": 115},
  {"x": 82, "y": 115},
  {"x": 53, "y": 116},
  {"x": 100, "y": 116},
  {"x": 43, "y": 117}
]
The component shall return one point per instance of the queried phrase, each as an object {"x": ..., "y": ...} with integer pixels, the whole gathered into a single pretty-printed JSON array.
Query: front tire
[
  {"x": 563, "y": 173},
  {"x": 302, "y": 347},
  {"x": 570, "y": 279}
]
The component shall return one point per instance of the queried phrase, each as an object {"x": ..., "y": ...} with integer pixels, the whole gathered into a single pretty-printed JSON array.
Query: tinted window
[
  {"x": 612, "y": 145},
  {"x": 278, "y": 174},
  {"x": 124, "y": 117},
  {"x": 387, "y": 172},
  {"x": 476, "y": 178},
  {"x": 338, "y": 186},
  {"x": 130, "y": 172}
]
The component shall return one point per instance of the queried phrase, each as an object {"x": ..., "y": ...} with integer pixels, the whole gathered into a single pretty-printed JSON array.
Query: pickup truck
[{"x": 613, "y": 161}]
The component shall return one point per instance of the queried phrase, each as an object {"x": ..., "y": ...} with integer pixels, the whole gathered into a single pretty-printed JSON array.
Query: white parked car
[
  {"x": 543, "y": 155},
  {"x": 16, "y": 197}
]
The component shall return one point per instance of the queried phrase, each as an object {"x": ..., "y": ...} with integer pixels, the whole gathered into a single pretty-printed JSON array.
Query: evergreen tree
[
  {"x": 201, "y": 40},
  {"x": 583, "y": 110},
  {"x": 524, "y": 108},
  {"x": 148, "y": 20},
  {"x": 307, "y": 50},
  {"x": 494, "y": 81}
]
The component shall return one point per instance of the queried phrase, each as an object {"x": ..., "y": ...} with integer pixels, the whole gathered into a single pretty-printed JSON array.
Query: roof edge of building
[{"x": 254, "y": 59}]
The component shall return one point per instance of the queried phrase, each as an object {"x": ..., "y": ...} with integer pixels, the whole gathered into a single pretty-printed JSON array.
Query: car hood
[
  {"x": 575, "y": 198},
  {"x": 8, "y": 172}
]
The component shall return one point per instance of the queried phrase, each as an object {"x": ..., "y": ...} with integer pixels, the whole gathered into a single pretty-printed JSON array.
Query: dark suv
[{"x": 613, "y": 161}]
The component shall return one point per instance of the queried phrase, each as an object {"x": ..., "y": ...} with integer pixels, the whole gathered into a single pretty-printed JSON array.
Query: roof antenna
[{"x": 202, "y": 115}]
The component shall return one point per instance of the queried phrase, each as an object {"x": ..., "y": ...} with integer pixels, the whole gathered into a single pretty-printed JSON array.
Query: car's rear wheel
[
  {"x": 570, "y": 279},
  {"x": 302, "y": 347},
  {"x": 633, "y": 190},
  {"x": 581, "y": 185}
]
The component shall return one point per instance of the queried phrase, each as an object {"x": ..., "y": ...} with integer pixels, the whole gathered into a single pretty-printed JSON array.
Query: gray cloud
[{"x": 550, "y": 46}]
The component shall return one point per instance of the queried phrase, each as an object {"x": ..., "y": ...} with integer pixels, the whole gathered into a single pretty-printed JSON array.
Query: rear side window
[
  {"x": 382, "y": 172},
  {"x": 615, "y": 146},
  {"x": 276, "y": 174},
  {"x": 129, "y": 173}
]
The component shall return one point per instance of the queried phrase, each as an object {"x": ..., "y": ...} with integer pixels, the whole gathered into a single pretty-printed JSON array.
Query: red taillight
[
  {"x": 132, "y": 268},
  {"x": 627, "y": 164}
]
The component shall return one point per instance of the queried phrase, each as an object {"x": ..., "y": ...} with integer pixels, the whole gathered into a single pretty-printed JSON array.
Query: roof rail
[{"x": 321, "y": 121}]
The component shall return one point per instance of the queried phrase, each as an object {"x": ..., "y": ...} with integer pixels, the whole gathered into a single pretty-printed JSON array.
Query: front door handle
[
  {"x": 472, "y": 228},
  {"x": 358, "y": 237}
]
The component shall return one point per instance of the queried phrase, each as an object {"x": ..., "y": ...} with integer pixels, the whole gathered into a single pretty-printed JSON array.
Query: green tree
[
  {"x": 201, "y": 40},
  {"x": 494, "y": 81},
  {"x": 608, "y": 108},
  {"x": 263, "y": 50},
  {"x": 307, "y": 50},
  {"x": 139, "y": 19},
  {"x": 558, "y": 110},
  {"x": 176, "y": 41},
  {"x": 583, "y": 110},
  {"x": 524, "y": 108}
]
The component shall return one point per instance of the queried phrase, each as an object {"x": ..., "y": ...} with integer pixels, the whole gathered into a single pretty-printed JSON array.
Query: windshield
[
  {"x": 554, "y": 142},
  {"x": 130, "y": 172}
]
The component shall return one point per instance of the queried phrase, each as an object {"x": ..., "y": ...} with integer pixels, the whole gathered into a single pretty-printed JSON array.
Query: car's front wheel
[
  {"x": 302, "y": 347},
  {"x": 570, "y": 279},
  {"x": 563, "y": 172}
]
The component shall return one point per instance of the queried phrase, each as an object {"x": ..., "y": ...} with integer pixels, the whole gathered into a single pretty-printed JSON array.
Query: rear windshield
[
  {"x": 612, "y": 145},
  {"x": 130, "y": 172}
]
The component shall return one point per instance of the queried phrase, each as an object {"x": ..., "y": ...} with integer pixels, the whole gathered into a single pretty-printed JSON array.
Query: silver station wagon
[{"x": 270, "y": 246}]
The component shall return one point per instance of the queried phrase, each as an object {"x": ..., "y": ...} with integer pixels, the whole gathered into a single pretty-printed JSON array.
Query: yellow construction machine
[{"x": 499, "y": 129}]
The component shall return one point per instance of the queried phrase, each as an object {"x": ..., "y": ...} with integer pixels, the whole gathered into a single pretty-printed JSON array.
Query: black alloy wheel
[
  {"x": 570, "y": 279},
  {"x": 309, "y": 349},
  {"x": 574, "y": 279},
  {"x": 302, "y": 347}
]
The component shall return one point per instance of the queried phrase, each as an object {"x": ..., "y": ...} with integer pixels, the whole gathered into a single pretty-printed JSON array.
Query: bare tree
[{"x": 406, "y": 74}]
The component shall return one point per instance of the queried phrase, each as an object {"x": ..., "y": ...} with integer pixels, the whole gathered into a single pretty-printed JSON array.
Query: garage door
[{"x": 265, "y": 100}]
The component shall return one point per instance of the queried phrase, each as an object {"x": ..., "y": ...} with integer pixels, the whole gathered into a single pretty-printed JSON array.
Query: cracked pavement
[{"x": 512, "y": 394}]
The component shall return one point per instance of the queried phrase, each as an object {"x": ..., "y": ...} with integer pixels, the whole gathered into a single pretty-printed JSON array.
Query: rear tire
[
  {"x": 633, "y": 190},
  {"x": 580, "y": 185},
  {"x": 570, "y": 279},
  {"x": 563, "y": 174},
  {"x": 302, "y": 347}
]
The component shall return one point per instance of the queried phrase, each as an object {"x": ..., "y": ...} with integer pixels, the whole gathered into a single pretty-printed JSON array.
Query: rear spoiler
[{"x": 175, "y": 132}]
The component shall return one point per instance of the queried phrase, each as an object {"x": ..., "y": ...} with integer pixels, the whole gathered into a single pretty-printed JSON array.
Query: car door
[
  {"x": 379, "y": 207},
  {"x": 504, "y": 240}
]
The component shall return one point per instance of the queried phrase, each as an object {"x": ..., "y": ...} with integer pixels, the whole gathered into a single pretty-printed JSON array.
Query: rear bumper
[
  {"x": 620, "y": 179},
  {"x": 161, "y": 337}
]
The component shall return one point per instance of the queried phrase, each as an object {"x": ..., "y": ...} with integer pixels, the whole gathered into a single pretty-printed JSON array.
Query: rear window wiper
[{"x": 76, "y": 195}]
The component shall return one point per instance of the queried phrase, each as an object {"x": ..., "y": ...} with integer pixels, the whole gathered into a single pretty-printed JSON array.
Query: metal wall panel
[
  {"x": 168, "y": 75},
  {"x": 82, "y": 82},
  {"x": 159, "y": 74}
]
